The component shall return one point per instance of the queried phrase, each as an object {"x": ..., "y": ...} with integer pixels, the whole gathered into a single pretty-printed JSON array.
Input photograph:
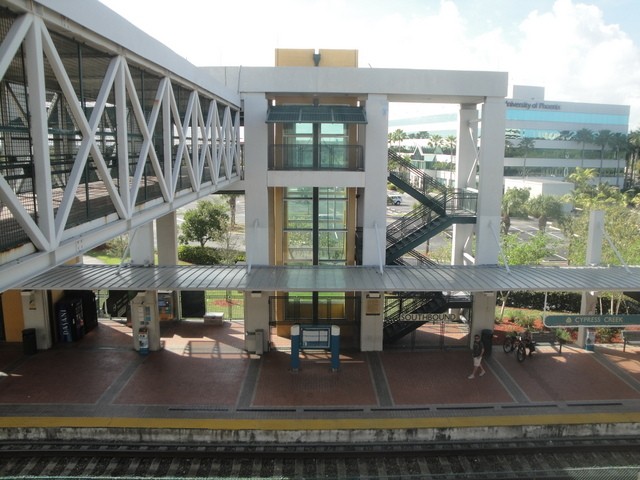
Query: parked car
[{"x": 394, "y": 199}]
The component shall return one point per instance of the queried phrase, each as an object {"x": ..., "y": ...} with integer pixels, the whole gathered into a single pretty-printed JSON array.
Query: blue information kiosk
[{"x": 316, "y": 337}]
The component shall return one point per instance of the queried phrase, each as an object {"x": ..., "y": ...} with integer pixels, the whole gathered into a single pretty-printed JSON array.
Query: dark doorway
[{"x": 193, "y": 304}]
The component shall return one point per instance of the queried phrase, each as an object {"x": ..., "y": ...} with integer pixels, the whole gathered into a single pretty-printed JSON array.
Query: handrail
[
  {"x": 460, "y": 203},
  {"x": 422, "y": 259},
  {"x": 411, "y": 222},
  {"x": 437, "y": 202},
  {"x": 396, "y": 307},
  {"x": 315, "y": 157},
  {"x": 427, "y": 182}
]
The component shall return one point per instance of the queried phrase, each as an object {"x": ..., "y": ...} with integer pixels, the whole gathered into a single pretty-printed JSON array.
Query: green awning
[{"x": 319, "y": 114}]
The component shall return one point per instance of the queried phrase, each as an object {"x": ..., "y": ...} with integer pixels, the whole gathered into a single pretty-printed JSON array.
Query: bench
[
  {"x": 548, "y": 338},
  {"x": 630, "y": 336},
  {"x": 214, "y": 318}
]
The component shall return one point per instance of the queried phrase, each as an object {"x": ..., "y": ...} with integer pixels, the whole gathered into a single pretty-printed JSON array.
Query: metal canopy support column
[
  {"x": 466, "y": 158},
  {"x": 488, "y": 217},
  {"x": 593, "y": 257},
  {"x": 375, "y": 165}
]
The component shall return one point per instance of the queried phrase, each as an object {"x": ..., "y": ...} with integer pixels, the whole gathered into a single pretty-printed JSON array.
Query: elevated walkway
[{"x": 203, "y": 387}]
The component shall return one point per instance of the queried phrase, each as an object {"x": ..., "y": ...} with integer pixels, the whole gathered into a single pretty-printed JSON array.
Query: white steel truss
[{"x": 191, "y": 144}]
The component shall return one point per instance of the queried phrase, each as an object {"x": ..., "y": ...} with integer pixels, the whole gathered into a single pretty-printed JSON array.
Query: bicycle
[{"x": 520, "y": 345}]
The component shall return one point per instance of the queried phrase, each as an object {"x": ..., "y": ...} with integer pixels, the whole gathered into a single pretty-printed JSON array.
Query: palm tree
[
  {"x": 436, "y": 142},
  {"x": 513, "y": 202},
  {"x": 581, "y": 177},
  {"x": 582, "y": 188},
  {"x": 634, "y": 153},
  {"x": 397, "y": 136},
  {"x": 565, "y": 135},
  {"x": 583, "y": 136},
  {"x": 451, "y": 141},
  {"x": 603, "y": 139},
  {"x": 508, "y": 148},
  {"x": 526, "y": 145},
  {"x": 232, "y": 201},
  {"x": 619, "y": 142}
]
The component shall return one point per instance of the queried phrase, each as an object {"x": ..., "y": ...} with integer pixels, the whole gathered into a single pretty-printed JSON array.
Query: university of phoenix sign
[{"x": 533, "y": 106}]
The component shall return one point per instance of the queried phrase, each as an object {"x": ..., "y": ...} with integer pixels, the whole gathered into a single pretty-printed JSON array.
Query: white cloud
[
  {"x": 569, "y": 49},
  {"x": 577, "y": 57}
]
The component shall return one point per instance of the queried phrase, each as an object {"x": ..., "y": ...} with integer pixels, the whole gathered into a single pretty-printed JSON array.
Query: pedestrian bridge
[{"x": 103, "y": 130}]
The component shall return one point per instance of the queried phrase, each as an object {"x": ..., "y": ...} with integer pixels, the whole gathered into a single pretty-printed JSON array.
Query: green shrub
[
  {"x": 116, "y": 247},
  {"x": 563, "y": 335},
  {"x": 199, "y": 255},
  {"x": 556, "y": 301},
  {"x": 525, "y": 321},
  {"x": 605, "y": 335}
]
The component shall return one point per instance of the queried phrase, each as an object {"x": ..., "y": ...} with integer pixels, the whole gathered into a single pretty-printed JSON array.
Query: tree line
[
  {"x": 616, "y": 145},
  {"x": 621, "y": 219}
]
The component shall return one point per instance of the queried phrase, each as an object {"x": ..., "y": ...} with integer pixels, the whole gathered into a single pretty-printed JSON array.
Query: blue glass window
[{"x": 567, "y": 117}]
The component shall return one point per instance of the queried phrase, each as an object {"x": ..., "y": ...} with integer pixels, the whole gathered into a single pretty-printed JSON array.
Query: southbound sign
[
  {"x": 428, "y": 317},
  {"x": 591, "y": 320}
]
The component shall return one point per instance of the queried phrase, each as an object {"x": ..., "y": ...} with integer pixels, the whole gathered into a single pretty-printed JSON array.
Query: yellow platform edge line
[{"x": 318, "y": 424}]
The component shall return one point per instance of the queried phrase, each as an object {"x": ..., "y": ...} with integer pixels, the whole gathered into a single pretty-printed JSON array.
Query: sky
[{"x": 582, "y": 51}]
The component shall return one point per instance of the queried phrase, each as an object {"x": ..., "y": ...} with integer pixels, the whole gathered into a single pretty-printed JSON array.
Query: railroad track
[{"x": 601, "y": 458}]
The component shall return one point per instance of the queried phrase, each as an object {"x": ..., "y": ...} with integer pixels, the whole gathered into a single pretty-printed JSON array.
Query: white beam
[
  {"x": 122, "y": 133},
  {"x": 145, "y": 149},
  {"x": 37, "y": 101},
  {"x": 13, "y": 40}
]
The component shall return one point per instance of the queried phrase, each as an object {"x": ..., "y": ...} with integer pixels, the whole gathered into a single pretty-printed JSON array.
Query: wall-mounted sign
[
  {"x": 591, "y": 320},
  {"x": 428, "y": 317},
  {"x": 533, "y": 105}
]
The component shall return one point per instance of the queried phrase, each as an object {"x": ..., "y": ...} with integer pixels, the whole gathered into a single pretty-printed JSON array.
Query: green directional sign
[{"x": 591, "y": 320}]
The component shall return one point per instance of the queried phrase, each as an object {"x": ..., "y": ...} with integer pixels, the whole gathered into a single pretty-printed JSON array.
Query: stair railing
[{"x": 427, "y": 184}]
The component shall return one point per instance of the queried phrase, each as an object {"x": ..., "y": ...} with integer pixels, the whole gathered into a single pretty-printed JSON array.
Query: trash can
[
  {"x": 250, "y": 342},
  {"x": 590, "y": 340},
  {"x": 487, "y": 341},
  {"x": 29, "y": 343},
  {"x": 259, "y": 341}
]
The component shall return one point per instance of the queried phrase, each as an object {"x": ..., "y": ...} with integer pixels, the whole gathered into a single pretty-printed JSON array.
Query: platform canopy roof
[
  {"x": 315, "y": 114},
  {"x": 479, "y": 278}
]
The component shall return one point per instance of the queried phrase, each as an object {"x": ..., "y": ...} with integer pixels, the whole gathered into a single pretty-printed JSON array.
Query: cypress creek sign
[{"x": 591, "y": 320}]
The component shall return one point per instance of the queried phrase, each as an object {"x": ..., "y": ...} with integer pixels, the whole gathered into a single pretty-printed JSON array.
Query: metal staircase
[
  {"x": 440, "y": 207},
  {"x": 396, "y": 309},
  {"x": 424, "y": 188}
]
